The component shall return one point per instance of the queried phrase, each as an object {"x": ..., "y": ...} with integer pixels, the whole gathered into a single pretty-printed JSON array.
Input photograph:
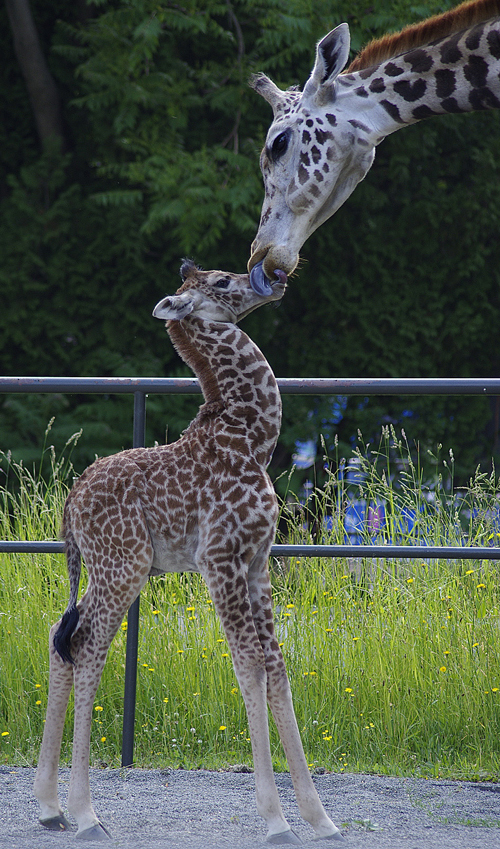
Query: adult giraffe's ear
[
  {"x": 174, "y": 307},
  {"x": 332, "y": 54}
]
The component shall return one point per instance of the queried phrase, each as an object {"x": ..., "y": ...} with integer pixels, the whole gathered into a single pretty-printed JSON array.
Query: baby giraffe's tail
[{"x": 69, "y": 621}]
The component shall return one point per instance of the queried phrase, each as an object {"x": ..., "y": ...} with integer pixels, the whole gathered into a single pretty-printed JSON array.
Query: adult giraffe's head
[
  {"x": 315, "y": 154},
  {"x": 322, "y": 140}
]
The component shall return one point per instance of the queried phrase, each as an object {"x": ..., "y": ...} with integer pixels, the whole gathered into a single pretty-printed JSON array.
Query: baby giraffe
[{"x": 202, "y": 504}]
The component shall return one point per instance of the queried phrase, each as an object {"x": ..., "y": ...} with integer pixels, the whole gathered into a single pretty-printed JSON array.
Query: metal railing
[{"x": 142, "y": 386}]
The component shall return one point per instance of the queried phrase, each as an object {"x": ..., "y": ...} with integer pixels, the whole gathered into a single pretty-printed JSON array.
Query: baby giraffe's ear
[{"x": 174, "y": 307}]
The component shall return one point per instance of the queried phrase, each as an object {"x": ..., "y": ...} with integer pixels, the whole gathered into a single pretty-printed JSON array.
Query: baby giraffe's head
[{"x": 217, "y": 295}]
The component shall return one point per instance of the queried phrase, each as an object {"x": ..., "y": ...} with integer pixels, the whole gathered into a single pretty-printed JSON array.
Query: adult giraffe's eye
[
  {"x": 280, "y": 145},
  {"x": 222, "y": 283}
]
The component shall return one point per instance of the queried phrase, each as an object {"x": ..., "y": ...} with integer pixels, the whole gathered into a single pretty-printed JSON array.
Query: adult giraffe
[{"x": 322, "y": 141}]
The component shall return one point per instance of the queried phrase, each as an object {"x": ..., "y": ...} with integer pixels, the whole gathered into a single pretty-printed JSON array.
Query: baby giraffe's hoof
[
  {"x": 59, "y": 823},
  {"x": 288, "y": 838},
  {"x": 95, "y": 832}
]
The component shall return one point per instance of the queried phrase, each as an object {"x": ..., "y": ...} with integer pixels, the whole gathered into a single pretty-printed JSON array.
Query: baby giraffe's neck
[{"x": 236, "y": 380}]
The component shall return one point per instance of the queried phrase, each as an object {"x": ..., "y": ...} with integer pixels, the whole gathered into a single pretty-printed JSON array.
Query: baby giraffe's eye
[{"x": 223, "y": 283}]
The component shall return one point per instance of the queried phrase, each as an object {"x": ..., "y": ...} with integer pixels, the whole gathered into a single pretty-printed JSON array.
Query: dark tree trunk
[{"x": 42, "y": 90}]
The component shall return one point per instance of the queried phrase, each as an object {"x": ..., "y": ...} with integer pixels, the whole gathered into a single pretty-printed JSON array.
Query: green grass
[{"x": 394, "y": 665}]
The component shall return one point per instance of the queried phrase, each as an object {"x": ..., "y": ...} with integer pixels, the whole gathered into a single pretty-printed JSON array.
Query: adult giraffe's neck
[
  {"x": 235, "y": 379},
  {"x": 459, "y": 73}
]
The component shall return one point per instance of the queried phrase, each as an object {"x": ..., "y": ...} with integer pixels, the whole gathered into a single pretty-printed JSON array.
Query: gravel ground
[{"x": 216, "y": 810}]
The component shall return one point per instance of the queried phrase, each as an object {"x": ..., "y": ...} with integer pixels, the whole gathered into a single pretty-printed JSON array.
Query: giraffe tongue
[{"x": 259, "y": 282}]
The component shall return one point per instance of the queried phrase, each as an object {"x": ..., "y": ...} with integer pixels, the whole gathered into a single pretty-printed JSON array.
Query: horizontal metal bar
[
  {"x": 100, "y": 385},
  {"x": 287, "y": 385},
  {"x": 389, "y": 386},
  {"x": 408, "y": 552},
  {"x": 31, "y": 547},
  {"x": 387, "y": 551}
]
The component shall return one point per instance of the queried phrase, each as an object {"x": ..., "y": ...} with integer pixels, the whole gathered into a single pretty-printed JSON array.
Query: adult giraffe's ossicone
[{"x": 322, "y": 140}]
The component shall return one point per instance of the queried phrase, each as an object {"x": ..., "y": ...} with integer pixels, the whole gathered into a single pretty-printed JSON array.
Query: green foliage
[{"x": 161, "y": 161}]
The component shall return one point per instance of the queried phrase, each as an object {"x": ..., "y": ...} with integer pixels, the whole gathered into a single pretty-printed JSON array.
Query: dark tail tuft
[
  {"x": 71, "y": 616},
  {"x": 62, "y": 637}
]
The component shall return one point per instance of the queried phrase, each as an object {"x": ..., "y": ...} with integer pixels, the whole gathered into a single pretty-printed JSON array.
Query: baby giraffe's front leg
[
  {"x": 279, "y": 697},
  {"x": 232, "y": 604}
]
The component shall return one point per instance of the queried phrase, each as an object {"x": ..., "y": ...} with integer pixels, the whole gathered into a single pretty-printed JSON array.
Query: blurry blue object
[
  {"x": 354, "y": 521},
  {"x": 338, "y": 408},
  {"x": 407, "y": 523},
  {"x": 328, "y": 524},
  {"x": 354, "y": 473},
  {"x": 360, "y": 517},
  {"x": 376, "y": 518},
  {"x": 305, "y": 456}
]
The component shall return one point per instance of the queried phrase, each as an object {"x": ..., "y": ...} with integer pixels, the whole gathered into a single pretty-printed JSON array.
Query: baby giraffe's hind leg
[
  {"x": 60, "y": 683},
  {"x": 87, "y": 675},
  {"x": 99, "y": 623}
]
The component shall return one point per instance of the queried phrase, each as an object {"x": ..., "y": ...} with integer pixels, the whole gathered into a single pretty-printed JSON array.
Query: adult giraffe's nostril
[{"x": 257, "y": 255}]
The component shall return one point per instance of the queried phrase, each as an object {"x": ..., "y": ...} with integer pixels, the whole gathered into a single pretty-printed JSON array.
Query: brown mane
[{"x": 418, "y": 35}]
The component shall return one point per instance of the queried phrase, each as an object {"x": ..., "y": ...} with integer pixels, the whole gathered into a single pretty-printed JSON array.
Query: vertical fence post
[{"x": 129, "y": 695}]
